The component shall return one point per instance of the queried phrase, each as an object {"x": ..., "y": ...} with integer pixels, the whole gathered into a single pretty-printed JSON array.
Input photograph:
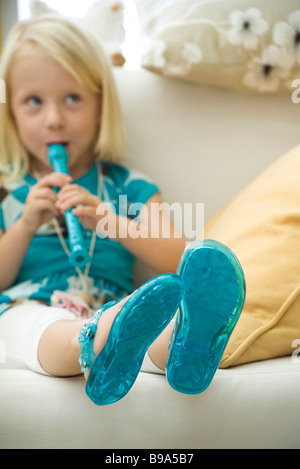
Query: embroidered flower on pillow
[
  {"x": 192, "y": 53},
  {"x": 287, "y": 35},
  {"x": 154, "y": 55},
  {"x": 267, "y": 72},
  {"x": 246, "y": 28}
]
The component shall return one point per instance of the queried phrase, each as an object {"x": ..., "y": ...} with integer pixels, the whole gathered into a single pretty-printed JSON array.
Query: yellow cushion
[{"x": 262, "y": 227}]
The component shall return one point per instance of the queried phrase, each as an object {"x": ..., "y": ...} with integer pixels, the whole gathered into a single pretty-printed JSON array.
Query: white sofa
[{"x": 200, "y": 144}]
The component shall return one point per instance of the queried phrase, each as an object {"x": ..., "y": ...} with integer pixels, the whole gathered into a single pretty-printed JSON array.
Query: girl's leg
[
  {"x": 30, "y": 328},
  {"x": 59, "y": 350},
  {"x": 157, "y": 351},
  {"x": 213, "y": 285},
  {"x": 115, "y": 362}
]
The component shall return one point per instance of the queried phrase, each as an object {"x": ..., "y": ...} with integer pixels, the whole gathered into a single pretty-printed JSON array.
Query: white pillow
[{"x": 251, "y": 45}]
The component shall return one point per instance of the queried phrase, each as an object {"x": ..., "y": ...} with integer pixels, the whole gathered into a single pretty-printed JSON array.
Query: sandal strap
[{"x": 86, "y": 337}]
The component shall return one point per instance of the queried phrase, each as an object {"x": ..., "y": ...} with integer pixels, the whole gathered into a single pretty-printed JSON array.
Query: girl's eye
[
  {"x": 72, "y": 98},
  {"x": 34, "y": 101}
]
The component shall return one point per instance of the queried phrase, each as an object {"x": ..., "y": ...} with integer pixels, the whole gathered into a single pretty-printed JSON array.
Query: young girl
[{"x": 60, "y": 91}]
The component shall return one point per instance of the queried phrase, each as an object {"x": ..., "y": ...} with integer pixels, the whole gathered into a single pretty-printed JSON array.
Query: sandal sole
[
  {"x": 139, "y": 322},
  {"x": 214, "y": 294}
]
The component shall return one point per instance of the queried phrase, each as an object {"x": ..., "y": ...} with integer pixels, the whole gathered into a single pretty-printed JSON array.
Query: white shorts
[{"x": 21, "y": 328}]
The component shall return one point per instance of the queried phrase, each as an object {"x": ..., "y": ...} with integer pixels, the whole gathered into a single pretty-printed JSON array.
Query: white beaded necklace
[{"x": 83, "y": 276}]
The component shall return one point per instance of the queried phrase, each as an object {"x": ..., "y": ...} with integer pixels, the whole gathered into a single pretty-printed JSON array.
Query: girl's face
[{"x": 50, "y": 106}]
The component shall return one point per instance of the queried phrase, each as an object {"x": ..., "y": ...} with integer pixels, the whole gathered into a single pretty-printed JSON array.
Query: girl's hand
[
  {"x": 40, "y": 203},
  {"x": 73, "y": 195}
]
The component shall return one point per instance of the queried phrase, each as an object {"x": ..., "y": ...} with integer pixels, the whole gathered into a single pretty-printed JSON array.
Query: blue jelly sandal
[
  {"x": 139, "y": 322},
  {"x": 214, "y": 294}
]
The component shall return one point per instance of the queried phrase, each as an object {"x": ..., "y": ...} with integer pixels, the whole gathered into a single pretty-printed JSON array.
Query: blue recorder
[{"x": 79, "y": 256}]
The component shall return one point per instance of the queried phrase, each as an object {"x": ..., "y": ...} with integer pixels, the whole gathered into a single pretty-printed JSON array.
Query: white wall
[{"x": 9, "y": 16}]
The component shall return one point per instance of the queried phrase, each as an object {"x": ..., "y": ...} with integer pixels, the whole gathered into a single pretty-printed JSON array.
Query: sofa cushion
[
  {"x": 262, "y": 227},
  {"x": 240, "y": 44},
  {"x": 251, "y": 406}
]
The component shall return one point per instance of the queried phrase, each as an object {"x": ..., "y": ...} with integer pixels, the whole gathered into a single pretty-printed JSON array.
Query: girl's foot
[
  {"x": 116, "y": 356},
  {"x": 214, "y": 293}
]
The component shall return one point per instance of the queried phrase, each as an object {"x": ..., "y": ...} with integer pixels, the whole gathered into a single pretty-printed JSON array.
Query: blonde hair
[{"x": 81, "y": 55}]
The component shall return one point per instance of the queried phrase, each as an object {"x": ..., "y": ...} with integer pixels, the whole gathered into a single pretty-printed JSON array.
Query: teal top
[{"x": 46, "y": 267}]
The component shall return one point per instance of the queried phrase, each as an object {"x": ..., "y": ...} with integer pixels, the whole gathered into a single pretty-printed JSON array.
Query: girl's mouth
[{"x": 65, "y": 144}]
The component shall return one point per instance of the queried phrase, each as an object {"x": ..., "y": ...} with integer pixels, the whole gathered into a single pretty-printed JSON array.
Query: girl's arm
[
  {"x": 14, "y": 243},
  {"x": 153, "y": 237},
  {"x": 13, "y": 246}
]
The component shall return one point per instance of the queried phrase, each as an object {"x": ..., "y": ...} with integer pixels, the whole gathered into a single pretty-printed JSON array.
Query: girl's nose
[{"x": 54, "y": 117}]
